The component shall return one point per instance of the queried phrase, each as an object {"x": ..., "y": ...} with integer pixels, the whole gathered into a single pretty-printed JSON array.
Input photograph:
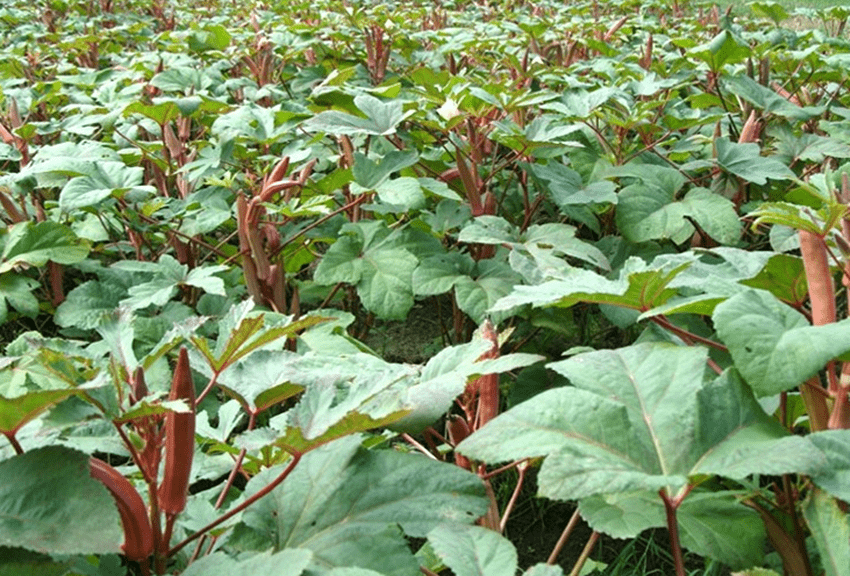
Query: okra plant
[{"x": 616, "y": 235}]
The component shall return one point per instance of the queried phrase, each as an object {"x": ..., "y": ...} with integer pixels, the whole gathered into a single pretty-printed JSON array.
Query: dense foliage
[{"x": 617, "y": 227}]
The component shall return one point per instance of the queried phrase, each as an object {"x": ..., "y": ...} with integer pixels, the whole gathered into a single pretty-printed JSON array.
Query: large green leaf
[
  {"x": 381, "y": 118},
  {"x": 769, "y": 100},
  {"x": 640, "y": 418},
  {"x": 831, "y": 531},
  {"x": 50, "y": 503},
  {"x": 103, "y": 180},
  {"x": 746, "y": 161},
  {"x": 260, "y": 380},
  {"x": 17, "y": 411},
  {"x": 835, "y": 476},
  {"x": 639, "y": 286},
  {"x": 711, "y": 524},
  {"x": 553, "y": 238},
  {"x": 289, "y": 562},
  {"x": 346, "y": 504},
  {"x": 773, "y": 345},
  {"x": 370, "y": 257},
  {"x": 473, "y": 550},
  {"x": 17, "y": 291},
  {"x": 647, "y": 210},
  {"x": 725, "y": 48},
  {"x": 36, "y": 244},
  {"x": 88, "y": 304},
  {"x": 566, "y": 188}
]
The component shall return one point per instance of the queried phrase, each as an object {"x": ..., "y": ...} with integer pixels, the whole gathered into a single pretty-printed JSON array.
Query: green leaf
[
  {"x": 439, "y": 274},
  {"x": 547, "y": 570},
  {"x": 402, "y": 194},
  {"x": 260, "y": 380},
  {"x": 385, "y": 287},
  {"x": 20, "y": 562},
  {"x": 763, "y": 98},
  {"x": 230, "y": 415},
  {"x": 773, "y": 345},
  {"x": 18, "y": 410},
  {"x": 647, "y": 210},
  {"x": 369, "y": 256},
  {"x": 290, "y": 562},
  {"x": 715, "y": 214},
  {"x": 369, "y": 174},
  {"x": 636, "y": 419},
  {"x": 773, "y": 10},
  {"x": 16, "y": 289},
  {"x": 381, "y": 118},
  {"x": 50, "y": 503},
  {"x": 210, "y": 37},
  {"x": 831, "y": 530},
  {"x": 711, "y": 524},
  {"x": 444, "y": 378},
  {"x": 36, "y": 244},
  {"x": 490, "y": 281},
  {"x": 784, "y": 276},
  {"x": 473, "y": 550},
  {"x": 102, "y": 181},
  {"x": 835, "y": 476},
  {"x": 89, "y": 304},
  {"x": 746, "y": 161},
  {"x": 640, "y": 287},
  {"x": 721, "y": 50},
  {"x": 345, "y": 504},
  {"x": 161, "y": 113}
]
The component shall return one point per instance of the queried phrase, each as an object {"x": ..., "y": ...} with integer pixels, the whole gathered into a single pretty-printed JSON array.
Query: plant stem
[
  {"x": 666, "y": 324},
  {"x": 504, "y": 468},
  {"x": 799, "y": 537},
  {"x": 14, "y": 442},
  {"x": 514, "y": 497},
  {"x": 585, "y": 553},
  {"x": 562, "y": 540},
  {"x": 673, "y": 528},
  {"x": 271, "y": 486},
  {"x": 207, "y": 388},
  {"x": 413, "y": 442}
]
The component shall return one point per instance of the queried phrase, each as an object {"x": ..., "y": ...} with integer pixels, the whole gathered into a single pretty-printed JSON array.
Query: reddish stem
[
  {"x": 559, "y": 545},
  {"x": 236, "y": 510},
  {"x": 673, "y": 527},
  {"x": 14, "y": 442}
]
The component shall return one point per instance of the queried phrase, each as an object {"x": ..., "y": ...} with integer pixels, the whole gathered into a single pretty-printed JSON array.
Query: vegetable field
[{"x": 347, "y": 288}]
